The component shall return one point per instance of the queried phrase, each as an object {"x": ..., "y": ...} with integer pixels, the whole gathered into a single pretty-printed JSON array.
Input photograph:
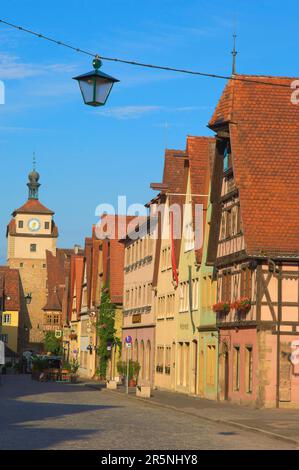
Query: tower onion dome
[
  {"x": 33, "y": 184},
  {"x": 33, "y": 176}
]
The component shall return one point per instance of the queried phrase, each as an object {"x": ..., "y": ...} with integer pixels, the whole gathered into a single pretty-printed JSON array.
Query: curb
[{"x": 212, "y": 420}]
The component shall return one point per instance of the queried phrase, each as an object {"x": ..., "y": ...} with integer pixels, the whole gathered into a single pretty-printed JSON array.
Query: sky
[{"x": 88, "y": 156}]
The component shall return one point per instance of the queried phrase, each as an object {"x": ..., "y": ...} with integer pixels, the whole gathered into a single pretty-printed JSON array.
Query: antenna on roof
[
  {"x": 34, "y": 162},
  {"x": 234, "y": 54}
]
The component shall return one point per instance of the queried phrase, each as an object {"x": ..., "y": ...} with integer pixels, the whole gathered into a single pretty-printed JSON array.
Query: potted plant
[
  {"x": 222, "y": 307},
  {"x": 74, "y": 366},
  {"x": 39, "y": 367},
  {"x": 134, "y": 368}
]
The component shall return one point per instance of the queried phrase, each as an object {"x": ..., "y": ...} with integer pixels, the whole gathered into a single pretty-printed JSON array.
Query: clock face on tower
[{"x": 34, "y": 225}]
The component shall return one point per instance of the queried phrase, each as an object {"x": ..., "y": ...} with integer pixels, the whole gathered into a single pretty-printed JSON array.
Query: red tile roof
[
  {"x": 113, "y": 256},
  {"x": 32, "y": 206},
  {"x": 58, "y": 267},
  {"x": 264, "y": 132},
  {"x": 10, "y": 288},
  {"x": 200, "y": 152}
]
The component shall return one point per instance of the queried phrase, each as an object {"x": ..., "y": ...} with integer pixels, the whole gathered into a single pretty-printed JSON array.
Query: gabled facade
[
  {"x": 58, "y": 275},
  {"x": 111, "y": 232},
  {"x": 138, "y": 312},
  {"x": 10, "y": 311},
  {"x": 91, "y": 288},
  {"x": 168, "y": 208},
  {"x": 197, "y": 343},
  {"x": 254, "y": 241}
]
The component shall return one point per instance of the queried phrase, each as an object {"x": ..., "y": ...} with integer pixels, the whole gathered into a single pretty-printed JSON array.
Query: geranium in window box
[
  {"x": 242, "y": 305},
  {"x": 222, "y": 308}
]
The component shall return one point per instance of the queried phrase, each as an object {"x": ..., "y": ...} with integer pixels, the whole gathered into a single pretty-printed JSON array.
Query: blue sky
[{"x": 87, "y": 156}]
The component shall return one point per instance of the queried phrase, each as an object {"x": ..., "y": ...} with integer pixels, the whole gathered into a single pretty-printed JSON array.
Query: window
[
  {"x": 227, "y": 158},
  {"x": 168, "y": 360},
  {"x": 47, "y": 225},
  {"x": 194, "y": 294},
  {"x": 21, "y": 265},
  {"x": 149, "y": 294},
  {"x": 6, "y": 319},
  {"x": 160, "y": 359},
  {"x": 226, "y": 287},
  {"x": 33, "y": 247},
  {"x": 245, "y": 283},
  {"x": 236, "y": 368},
  {"x": 238, "y": 221},
  {"x": 223, "y": 226},
  {"x": 170, "y": 305},
  {"x": 228, "y": 226},
  {"x": 248, "y": 369},
  {"x": 4, "y": 338},
  {"x": 189, "y": 237},
  {"x": 21, "y": 224},
  {"x": 184, "y": 297},
  {"x": 211, "y": 364}
]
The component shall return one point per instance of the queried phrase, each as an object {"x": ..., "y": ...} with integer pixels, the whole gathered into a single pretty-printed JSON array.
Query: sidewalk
[{"x": 278, "y": 423}]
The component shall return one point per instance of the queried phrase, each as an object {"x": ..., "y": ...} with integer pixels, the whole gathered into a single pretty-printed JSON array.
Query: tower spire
[
  {"x": 33, "y": 183},
  {"x": 234, "y": 54}
]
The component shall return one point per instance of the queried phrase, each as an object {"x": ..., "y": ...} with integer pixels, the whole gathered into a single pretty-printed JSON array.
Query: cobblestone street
[{"x": 62, "y": 416}]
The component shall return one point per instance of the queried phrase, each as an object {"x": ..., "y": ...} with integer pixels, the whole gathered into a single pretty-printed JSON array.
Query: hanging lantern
[{"x": 95, "y": 86}]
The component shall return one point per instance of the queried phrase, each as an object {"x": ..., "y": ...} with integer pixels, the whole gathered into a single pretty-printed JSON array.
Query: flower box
[
  {"x": 222, "y": 308},
  {"x": 242, "y": 305}
]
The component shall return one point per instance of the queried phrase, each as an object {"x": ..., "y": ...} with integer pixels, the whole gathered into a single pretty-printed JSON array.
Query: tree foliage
[
  {"x": 53, "y": 344},
  {"x": 106, "y": 331}
]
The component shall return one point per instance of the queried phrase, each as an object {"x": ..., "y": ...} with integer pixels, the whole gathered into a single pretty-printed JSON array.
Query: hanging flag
[{"x": 173, "y": 261}]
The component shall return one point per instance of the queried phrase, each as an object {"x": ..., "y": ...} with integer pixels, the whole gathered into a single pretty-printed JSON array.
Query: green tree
[
  {"x": 106, "y": 331},
  {"x": 53, "y": 344}
]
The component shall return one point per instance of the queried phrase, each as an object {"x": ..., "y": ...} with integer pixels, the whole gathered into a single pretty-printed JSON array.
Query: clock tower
[{"x": 30, "y": 233}]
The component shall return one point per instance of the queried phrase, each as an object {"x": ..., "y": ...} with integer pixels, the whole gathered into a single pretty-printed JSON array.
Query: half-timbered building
[{"x": 254, "y": 240}]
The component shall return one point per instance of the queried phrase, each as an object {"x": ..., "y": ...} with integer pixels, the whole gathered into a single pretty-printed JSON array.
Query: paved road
[{"x": 63, "y": 416}]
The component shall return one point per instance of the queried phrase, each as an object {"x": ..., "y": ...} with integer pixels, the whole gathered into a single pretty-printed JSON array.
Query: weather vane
[{"x": 234, "y": 54}]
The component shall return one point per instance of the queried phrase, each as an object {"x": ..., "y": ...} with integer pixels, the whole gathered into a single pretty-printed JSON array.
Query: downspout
[{"x": 279, "y": 298}]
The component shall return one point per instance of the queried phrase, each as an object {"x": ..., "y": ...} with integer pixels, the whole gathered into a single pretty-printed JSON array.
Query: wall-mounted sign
[{"x": 136, "y": 318}]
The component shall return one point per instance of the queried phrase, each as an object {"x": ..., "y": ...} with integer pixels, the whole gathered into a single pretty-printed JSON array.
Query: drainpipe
[
  {"x": 218, "y": 368},
  {"x": 279, "y": 298}
]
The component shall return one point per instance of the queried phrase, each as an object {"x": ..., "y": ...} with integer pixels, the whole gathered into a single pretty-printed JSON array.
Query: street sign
[
  {"x": 2, "y": 353},
  {"x": 129, "y": 345},
  {"x": 58, "y": 333},
  {"x": 128, "y": 339}
]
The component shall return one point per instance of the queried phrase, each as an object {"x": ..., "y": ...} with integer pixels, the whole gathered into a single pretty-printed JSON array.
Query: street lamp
[
  {"x": 95, "y": 86},
  {"x": 28, "y": 298}
]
